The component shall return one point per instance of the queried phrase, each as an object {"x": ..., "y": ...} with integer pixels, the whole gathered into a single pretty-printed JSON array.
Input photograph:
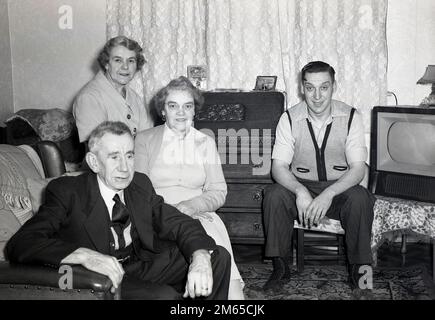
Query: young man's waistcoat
[{"x": 325, "y": 162}]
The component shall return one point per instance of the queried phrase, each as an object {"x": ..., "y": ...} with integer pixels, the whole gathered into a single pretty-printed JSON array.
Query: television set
[{"x": 402, "y": 155}]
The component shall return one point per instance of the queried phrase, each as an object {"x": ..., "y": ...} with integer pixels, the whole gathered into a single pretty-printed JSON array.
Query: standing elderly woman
[
  {"x": 107, "y": 97},
  {"x": 184, "y": 166}
]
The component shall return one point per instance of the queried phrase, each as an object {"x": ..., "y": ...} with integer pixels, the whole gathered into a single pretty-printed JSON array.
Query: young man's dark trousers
[{"x": 354, "y": 209}]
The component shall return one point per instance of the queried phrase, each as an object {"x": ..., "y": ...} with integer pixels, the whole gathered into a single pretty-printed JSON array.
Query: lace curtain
[{"x": 240, "y": 39}]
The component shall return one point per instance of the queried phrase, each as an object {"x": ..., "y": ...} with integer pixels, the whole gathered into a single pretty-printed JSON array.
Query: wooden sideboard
[{"x": 243, "y": 124}]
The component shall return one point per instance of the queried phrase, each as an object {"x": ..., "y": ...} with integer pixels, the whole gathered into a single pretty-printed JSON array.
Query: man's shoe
[
  {"x": 280, "y": 274},
  {"x": 361, "y": 290},
  {"x": 362, "y": 294},
  {"x": 353, "y": 276}
]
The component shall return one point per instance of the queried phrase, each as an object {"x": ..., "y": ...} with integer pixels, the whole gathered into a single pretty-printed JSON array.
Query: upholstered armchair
[
  {"x": 24, "y": 282},
  {"x": 19, "y": 168}
]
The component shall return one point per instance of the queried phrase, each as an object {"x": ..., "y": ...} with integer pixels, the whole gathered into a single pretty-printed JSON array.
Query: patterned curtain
[
  {"x": 240, "y": 39},
  {"x": 171, "y": 32}
]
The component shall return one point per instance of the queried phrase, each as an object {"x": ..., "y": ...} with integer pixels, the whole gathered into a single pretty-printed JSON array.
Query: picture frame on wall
[
  {"x": 265, "y": 83},
  {"x": 197, "y": 74}
]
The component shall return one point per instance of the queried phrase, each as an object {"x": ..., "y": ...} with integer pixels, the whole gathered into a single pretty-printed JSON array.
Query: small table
[{"x": 394, "y": 214}]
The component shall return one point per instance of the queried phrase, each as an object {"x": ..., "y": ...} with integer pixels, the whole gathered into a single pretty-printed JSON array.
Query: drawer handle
[
  {"x": 256, "y": 166},
  {"x": 257, "y": 196},
  {"x": 257, "y": 226}
]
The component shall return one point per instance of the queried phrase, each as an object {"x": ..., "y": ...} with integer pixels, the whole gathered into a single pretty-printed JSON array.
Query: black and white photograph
[
  {"x": 265, "y": 83},
  {"x": 197, "y": 74},
  {"x": 245, "y": 155}
]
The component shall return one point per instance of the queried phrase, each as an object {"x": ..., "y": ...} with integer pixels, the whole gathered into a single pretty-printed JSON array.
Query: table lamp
[{"x": 429, "y": 78}]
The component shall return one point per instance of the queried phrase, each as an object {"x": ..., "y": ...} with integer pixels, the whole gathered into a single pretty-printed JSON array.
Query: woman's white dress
[{"x": 190, "y": 169}]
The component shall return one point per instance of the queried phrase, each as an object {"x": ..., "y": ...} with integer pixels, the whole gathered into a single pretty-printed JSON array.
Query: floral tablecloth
[{"x": 393, "y": 214}]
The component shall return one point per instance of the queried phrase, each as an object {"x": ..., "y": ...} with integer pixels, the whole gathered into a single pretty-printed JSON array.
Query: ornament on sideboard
[
  {"x": 265, "y": 83},
  {"x": 197, "y": 74}
]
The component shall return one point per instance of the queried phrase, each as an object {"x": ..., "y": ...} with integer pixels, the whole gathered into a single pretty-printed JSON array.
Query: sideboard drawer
[
  {"x": 244, "y": 195},
  {"x": 246, "y": 225},
  {"x": 247, "y": 171}
]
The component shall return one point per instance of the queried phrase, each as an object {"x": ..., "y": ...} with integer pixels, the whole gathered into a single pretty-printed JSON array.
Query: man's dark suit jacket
[{"x": 74, "y": 215}]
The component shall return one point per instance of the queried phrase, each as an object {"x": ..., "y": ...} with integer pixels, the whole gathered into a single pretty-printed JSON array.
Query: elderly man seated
[{"x": 112, "y": 222}]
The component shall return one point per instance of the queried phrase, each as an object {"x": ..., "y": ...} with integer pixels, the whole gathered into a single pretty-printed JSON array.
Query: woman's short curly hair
[
  {"x": 181, "y": 83},
  {"x": 104, "y": 55}
]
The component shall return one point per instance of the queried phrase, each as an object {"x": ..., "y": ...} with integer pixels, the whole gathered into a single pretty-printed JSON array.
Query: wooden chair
[
  {"x": 334, "y": 230},
  {"x": 319, "y": 242},
  {"x": 328, "y": 236}
]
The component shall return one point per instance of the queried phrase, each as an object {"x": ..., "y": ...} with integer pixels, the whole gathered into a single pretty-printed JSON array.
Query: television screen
[{"x": 403, "y": 152}]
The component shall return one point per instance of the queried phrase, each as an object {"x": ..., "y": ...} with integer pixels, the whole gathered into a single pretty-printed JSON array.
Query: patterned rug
[{"x": 329, "y": 283}]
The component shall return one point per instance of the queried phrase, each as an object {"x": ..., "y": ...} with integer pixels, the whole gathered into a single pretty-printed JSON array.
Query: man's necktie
[{"x": 120, "y": 219}]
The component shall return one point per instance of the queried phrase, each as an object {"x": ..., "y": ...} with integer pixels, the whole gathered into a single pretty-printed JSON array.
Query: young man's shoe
[
  {"x": 360, "y": 291},
  {"x": 280, "y": 274}
]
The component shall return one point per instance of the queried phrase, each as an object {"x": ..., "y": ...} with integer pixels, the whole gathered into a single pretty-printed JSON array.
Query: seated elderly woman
[
  {"x": 108, "y": 97},
  {"x": 184, "y": 166}
]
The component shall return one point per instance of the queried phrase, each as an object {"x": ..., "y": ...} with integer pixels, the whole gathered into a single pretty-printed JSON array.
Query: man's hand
[
  {"x": 97, "y": 262},
  {"x": 186, "y": 208},
  {"x": 318, "y": 207},
  {"x": 204, "y": 215},
  {"x": 303, "y": 200},
  {"x": 200, "y": 275}
]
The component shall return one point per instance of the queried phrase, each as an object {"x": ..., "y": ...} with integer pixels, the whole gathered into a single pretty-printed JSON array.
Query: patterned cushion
[
  {"x": 52, "y": 124},
  {"x": 37, "y": 191},
  {"x": 15, "y": 167},
  {"x": 37, "y": 188},
  {"x": 9, "y": 224},
  {"x": 15, "y": 205},
  {"x": 325, "y": 225}
]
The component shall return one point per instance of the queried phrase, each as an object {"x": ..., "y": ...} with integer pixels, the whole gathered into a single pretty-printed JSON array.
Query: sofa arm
[
  {"x": 19, "y": 281},
  {"x": 51, "y": 158}
]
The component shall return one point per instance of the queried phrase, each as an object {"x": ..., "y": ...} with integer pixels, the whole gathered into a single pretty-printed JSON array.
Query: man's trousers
[
  {"x": 164, "y": 277},
  {"x": 353, "y": 208}
]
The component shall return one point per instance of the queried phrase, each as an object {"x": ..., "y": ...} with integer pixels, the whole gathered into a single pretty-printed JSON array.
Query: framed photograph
[
  {"x": 265, "y": 83},
  {"x": 197, "y": 74}
]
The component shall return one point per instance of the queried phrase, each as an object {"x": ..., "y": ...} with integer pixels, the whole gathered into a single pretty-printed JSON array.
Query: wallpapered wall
[
  {"x": 52, "y": 52},
  {"x": 48, "y": 65}
]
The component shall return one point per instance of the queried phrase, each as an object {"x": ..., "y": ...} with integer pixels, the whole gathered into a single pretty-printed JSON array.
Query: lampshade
[{"x": 429, "y": 75}]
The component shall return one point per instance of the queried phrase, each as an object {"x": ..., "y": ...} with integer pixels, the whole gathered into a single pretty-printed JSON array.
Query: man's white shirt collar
[{"x": 108, "y": 195}]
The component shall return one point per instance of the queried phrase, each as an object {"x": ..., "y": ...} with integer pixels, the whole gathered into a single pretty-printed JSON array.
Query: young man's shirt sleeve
[
  {"x": 283, "y": 148},
  {"x": 356, "y": 149}
]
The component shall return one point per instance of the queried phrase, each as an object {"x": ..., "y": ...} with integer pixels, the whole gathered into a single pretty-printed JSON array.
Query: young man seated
[{"x": 318, "y": 161}]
